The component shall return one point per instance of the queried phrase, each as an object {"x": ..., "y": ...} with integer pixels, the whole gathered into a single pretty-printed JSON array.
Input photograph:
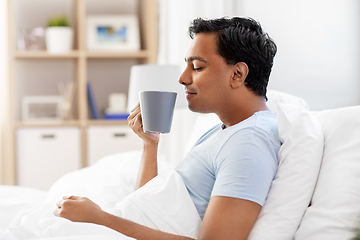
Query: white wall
[
  {"x": 318, "y": 43},
  {"x": 3, "y": 69},
  {"x": 175, "y": 17},
  {"x": 318, "y": 48}
]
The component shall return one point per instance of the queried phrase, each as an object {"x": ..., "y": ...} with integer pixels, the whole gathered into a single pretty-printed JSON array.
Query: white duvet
[{"x": 162, "y": 204}]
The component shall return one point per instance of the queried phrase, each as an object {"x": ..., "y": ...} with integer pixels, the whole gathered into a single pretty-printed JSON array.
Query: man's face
[{"x": 207, "y": 76}]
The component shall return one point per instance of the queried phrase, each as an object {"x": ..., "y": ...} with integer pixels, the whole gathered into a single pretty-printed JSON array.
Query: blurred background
[{"x": 318, "y": 60}]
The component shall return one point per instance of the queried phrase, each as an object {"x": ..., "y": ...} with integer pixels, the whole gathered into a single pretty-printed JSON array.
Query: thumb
[
  {"x": 72, "y": 197},
  {"x": 156, "y": 134}
]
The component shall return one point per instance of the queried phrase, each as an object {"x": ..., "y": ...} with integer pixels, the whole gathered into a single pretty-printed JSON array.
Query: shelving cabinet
[
  {"x": 54, "y": 152},
  {"x": 113, "y": 139},
  {"x": 38, "y": 73}
]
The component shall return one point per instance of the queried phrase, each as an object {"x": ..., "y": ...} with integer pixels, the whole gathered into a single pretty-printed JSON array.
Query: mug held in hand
[{"x": 157, "y": 110}]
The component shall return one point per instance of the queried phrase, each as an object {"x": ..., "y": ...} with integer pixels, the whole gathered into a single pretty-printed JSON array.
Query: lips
[{"x": 189, "y": 94}]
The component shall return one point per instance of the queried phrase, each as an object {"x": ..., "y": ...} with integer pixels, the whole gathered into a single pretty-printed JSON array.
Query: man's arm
[
  {"x": 148, "y": 164},
  {"x": 135, "y": 230},
  {"x": 225, "y": 218},
  {"x": 81, "y": 209},
  {"x": 229, "y": 218}
]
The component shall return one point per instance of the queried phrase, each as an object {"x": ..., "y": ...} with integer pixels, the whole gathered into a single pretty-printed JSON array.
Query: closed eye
[{"x": 198, "y": 69}]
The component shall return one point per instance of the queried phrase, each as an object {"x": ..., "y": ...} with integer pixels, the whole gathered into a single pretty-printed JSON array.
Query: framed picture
[
  {"x": 113, "y": 32},
  {"x": 42, "y": 108}
]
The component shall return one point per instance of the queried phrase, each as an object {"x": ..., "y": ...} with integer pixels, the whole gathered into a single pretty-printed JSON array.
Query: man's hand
[
  {"x": 135, "y": 123},
  {"x": 81, "y": 209},
  {"x": 148, "y": 165},
  {"x": 78, "y": 209}
]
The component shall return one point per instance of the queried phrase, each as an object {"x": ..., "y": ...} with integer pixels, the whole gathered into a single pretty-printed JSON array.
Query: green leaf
[
  {"x": 58, "y": 21},
  {"x": 357, "y": 235}
]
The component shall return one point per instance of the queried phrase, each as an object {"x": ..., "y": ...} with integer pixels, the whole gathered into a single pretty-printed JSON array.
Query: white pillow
[
  {"x": 276, "y": 97},
  {"x": 299, "y": 162},
  {"x": 335, "y": 206},
  {"x": 203, "y": 122}
]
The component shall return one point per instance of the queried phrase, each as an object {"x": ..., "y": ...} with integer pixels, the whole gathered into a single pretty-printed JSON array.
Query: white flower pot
[{"x": 59, "y": 39}]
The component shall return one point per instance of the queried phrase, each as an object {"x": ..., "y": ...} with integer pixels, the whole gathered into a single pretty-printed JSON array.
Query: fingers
[
  {"x": 59, "y": 206},
  {"x": 77, "y": 209},
  {"x": 72, "y": 197},
  {"x": 134, "y": 112},
  {"x": 137, "y": 106},
  {"x": 135, "y": 119},
  {"x": 66, "y": 197},
  {"x": 136, "y": 124},
  {"x": 57, "y": 211},
  {"x": 60, "y": 203}
]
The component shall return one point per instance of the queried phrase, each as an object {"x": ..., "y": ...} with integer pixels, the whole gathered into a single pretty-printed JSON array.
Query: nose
[{"x": 185, "y": 78}]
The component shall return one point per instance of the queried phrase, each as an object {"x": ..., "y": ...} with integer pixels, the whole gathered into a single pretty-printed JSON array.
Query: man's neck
[{"x": 242, "y": 109}]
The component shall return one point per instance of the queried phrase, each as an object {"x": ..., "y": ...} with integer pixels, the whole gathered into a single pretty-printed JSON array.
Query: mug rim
[{"x": 157, "y": 91}]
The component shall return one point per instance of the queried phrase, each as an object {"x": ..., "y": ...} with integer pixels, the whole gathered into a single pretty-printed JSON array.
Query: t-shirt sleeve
[{"x": 245, "y": 166}]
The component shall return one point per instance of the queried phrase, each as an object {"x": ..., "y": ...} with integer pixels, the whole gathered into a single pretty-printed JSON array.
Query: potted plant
[
  {"x": 59, "y": 36},
  {"x": 357, "y": 237}
]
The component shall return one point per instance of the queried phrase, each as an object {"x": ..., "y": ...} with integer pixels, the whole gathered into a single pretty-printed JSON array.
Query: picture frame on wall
[
  {"x": 113, "y": 33},
  {"x": 42, "y": 108}
]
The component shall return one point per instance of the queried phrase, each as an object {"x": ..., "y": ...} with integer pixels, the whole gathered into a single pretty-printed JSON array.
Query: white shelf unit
[
  {"x": 45, "y": 154},
  {"x": 37, "y": 72}
]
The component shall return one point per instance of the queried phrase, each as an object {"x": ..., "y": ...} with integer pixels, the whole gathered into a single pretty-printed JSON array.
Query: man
[{"x": 229, "y": 171}]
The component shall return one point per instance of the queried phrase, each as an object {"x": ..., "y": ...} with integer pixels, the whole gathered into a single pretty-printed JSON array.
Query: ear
[{"x": 240, "y": 72}]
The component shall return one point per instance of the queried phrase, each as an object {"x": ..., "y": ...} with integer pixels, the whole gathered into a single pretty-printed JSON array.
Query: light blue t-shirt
[{"x": 239, "y": 161}]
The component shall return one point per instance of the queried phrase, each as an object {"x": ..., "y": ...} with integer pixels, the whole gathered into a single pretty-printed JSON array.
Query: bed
[
  {"x": 107, "y": 182},
  {"x": 301, "y": 203}
]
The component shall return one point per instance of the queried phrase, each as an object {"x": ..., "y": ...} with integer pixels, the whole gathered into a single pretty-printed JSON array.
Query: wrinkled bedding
[{"x": 27, "y": 213}]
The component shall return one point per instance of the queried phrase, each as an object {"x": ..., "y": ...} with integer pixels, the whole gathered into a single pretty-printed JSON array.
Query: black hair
[{"x": 242, "y": 40}]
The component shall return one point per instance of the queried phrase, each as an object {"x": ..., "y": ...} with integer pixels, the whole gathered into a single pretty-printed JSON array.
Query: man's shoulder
[{"x": 261, "y": 127}]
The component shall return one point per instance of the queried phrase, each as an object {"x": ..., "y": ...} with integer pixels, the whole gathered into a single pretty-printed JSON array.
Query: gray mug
[{"x": 157, "y": 110}]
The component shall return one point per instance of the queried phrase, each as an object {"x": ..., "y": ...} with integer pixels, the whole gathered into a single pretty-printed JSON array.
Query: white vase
[{"x": 59, "y": 39}]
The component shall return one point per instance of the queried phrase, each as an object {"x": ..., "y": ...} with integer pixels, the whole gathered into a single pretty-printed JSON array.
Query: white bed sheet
[
  {"x": 106, "y": 183},
  {"x": 21, "y": 194}
]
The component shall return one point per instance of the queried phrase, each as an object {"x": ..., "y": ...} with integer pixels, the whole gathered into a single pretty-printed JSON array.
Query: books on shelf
[
  {"x": 109, "y": 113},
  {"x": 92, "y": 103},
  {"x": 117, "y": 107},
  {"x": 116, "y": 116}
]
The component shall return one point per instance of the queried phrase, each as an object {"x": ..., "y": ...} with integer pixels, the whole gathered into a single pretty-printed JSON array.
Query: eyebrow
[{"x": 190, "y": 59}]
